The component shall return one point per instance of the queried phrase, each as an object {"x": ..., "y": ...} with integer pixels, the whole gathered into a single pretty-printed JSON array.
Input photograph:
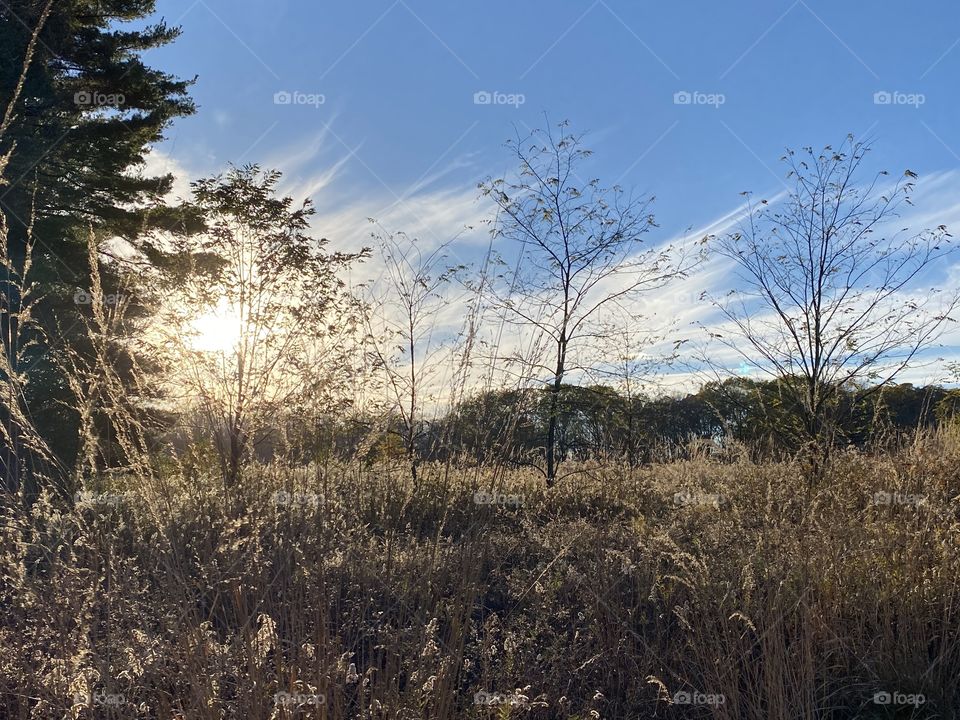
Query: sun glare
[{"x": 216, "y": 330}]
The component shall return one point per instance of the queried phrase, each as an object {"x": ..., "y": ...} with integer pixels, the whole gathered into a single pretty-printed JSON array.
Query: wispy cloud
[{"x": 444, "y": 204}]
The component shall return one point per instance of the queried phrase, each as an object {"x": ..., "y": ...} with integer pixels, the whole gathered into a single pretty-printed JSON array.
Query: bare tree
[
  {"x": 632, "y": 367},
  {"x": 404, "y": 328},
  {"x": 581, "y": 251},
  {"x": 829, "y": 291}
]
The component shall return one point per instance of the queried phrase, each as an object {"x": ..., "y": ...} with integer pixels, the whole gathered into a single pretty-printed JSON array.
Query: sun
[{"x": 215, "y": 331}]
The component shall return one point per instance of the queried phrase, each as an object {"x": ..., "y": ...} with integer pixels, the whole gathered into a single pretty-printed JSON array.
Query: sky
[{"x": 396, "y": 109}]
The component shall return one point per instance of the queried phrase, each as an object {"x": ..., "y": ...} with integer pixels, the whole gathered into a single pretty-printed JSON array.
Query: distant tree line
[
  {"x": 599, "y": 422},
  {"x": 724, "y": 420}
]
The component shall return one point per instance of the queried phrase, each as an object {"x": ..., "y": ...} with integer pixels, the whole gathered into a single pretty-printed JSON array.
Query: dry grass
[{"x": 354, "y": 594}]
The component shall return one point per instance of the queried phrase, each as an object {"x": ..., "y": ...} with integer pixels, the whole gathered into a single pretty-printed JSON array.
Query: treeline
[{"x": 724, "y": 419}]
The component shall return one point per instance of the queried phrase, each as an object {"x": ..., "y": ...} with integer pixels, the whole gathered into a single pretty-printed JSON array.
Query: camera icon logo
[
  {"x": 282, "y": 98},
  {"x": 482, "y": 97},
  {"x": 882, "y": 97},
  {"x": 682, "y": 97}
]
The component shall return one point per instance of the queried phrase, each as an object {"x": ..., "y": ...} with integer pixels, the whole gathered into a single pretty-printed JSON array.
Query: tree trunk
[
  {"x": 554, "y": 417},
  {"x": 818, "y": 447},
  {"x": 235, "y": 458},
  {"x": 552, "y": 438}
]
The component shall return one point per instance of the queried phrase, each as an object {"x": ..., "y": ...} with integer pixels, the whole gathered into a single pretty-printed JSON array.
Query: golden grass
[{"x": 346, "y": 592}]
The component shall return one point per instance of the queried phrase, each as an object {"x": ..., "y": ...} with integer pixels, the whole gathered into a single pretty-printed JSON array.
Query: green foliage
[{"x": 947, "y": 408}]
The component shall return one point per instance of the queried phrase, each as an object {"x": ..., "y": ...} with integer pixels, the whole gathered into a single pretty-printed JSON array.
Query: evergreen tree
[{"x": 87, "y": 113}]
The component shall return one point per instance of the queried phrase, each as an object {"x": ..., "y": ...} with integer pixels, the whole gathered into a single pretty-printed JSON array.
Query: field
[{"x": 687, "y": 590}]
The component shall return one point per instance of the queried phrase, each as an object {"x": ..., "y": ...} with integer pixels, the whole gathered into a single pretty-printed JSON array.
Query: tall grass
[{"x": 348, "y": 592}]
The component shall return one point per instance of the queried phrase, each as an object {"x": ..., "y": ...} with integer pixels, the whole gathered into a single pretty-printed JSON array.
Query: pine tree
[{"x": 88, "y": 112}]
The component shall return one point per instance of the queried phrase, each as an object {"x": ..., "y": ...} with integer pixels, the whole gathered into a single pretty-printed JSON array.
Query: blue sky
[
  {"x": 398, "y": 134},
  {"x": 398, "y": 80}
]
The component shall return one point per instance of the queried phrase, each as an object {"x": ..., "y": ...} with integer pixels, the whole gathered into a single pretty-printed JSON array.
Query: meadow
[{"x": 694, "y": 589}]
